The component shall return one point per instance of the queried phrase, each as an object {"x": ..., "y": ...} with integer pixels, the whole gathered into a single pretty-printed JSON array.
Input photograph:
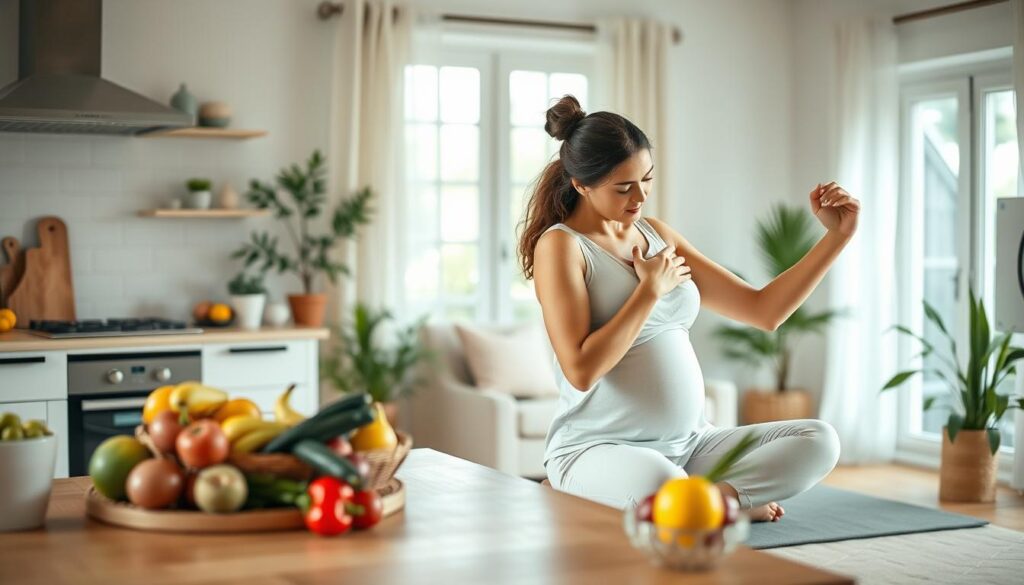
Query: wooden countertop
[
  {"x": 463, "y": 523},
  {"x": 21, "y": 340}
]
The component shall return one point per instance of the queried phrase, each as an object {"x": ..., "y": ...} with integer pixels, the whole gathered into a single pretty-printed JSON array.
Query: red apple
[
  {"x": 645, "y": 511},
  {"x": 202, "y": 444},
  {"x": 340, "y": 445},
  {"x": 732, "y": 510}
]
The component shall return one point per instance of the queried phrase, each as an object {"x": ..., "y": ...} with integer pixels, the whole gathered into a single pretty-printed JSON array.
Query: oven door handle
[{"x": 112, "y": 404}]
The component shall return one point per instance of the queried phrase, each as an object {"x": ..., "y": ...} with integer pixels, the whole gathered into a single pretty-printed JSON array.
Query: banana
[
  {"x": 259, "y": 437},
  {"x": 236, "y": 427},
  {"x": 283, "y": 411},
  {"x": 196, "y": 399}
]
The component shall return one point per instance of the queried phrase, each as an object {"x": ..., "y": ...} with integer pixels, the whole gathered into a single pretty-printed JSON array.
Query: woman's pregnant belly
[{"x": 654, "y": 394}]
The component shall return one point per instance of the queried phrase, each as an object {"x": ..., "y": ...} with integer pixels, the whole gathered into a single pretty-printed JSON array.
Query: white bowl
[{"x": 26, "y": 476}]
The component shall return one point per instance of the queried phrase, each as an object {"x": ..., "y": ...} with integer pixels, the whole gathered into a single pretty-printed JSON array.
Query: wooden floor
[{"x": 921, "y": 487}]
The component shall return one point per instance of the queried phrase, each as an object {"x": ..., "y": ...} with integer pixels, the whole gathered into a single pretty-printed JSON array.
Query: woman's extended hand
[
  {"x": 662, "y": 272},
  {"x": 835, "y": 208}
]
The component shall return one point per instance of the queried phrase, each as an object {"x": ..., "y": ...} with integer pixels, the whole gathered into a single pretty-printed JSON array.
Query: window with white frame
[
  {"x": 475, "y": 143},
  {"x": 959, "y": 156}
]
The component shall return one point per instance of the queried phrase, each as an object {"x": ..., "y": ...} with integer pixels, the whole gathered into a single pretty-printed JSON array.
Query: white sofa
[{"x": 448, "y": 413}]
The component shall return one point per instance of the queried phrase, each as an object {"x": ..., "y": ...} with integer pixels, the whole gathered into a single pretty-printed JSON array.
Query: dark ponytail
[{"x": 591, "y": 147}]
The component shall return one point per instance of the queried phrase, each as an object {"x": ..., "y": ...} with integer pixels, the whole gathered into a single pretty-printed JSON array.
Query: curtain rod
[
  {"x": 328, "y": 10},
  {"x": 943, "y": 10}
]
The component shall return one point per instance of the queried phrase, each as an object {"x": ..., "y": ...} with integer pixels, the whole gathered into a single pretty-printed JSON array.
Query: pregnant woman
[{"x": 619, "y": 293}]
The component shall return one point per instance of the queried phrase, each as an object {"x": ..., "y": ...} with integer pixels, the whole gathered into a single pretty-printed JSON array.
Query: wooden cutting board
[
  {"x": 11, "y": 272},
  {"x": 45, "y": 290}
]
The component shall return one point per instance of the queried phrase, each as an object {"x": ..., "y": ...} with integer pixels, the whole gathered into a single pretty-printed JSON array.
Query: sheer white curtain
[
  {"x": 637, "y": 86},
  {"x": 860, "y": 357},
  {"x": 1017, "y": 9},
  {"x": 371, "y": 49}
]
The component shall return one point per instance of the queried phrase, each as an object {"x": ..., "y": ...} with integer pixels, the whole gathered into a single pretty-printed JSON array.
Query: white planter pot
[
  {"x": 249, "y": 310},
  {"x": 198, "y": 199},
  {"x": 26, "y": 475}
]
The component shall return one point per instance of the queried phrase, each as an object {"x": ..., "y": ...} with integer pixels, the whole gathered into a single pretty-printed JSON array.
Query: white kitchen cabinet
[
  {"x": 33, "y": 376},
  {"x": 55, "y": 414},
  {"x": 262, "y": 370}
]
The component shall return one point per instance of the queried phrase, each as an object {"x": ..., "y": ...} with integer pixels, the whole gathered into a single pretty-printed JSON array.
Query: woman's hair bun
[{"x": 563, "y": 117}]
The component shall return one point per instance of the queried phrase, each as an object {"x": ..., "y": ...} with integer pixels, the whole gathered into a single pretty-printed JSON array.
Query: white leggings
[{"x": 791, "y": 457}]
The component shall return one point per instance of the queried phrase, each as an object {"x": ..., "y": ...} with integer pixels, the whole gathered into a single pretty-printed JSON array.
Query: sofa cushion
[
  {"x": 515, "y": 362},
  {"x": 535, "y": 416}
]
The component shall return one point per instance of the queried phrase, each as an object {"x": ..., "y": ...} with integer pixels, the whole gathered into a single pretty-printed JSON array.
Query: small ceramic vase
[
  {"x": 185, "y": 101},
  {"x": 228, "y": 197}
]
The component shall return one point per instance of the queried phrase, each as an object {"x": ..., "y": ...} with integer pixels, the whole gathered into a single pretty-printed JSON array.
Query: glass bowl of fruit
[{"x": 687, "y": 525}]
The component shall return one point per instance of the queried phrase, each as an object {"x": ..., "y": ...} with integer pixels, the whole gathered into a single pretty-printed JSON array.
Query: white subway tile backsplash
[
  {"x": 22, "y": 180},
  {"x": 12, "y": 149},
  {"x": 123, "y": 264},
  {"x": 68, "y": 207},
  {"x": 153, "y": 232},
  {"x": 42, "y": 150},
  {"x": 90, "y": 180},
  {"x": 129, "y": 261}
]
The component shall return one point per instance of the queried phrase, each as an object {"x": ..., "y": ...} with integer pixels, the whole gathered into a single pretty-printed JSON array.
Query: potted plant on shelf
[
  {"x": 306, "y": 188},
  {"x": 784, "y": 238},
  {"x": 248, "y": 295},
  {"x": 971, "y": 436},
  {"x": 358, "y": 360},
  {"x": 199, "y": 195}
]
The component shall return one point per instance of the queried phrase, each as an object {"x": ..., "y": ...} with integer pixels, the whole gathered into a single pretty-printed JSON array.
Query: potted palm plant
[
  {"x": 971, "y": 436},
  {"x": 306, "y": 189},
  {"x": 360, "y": 361},
  {"x": 784, "y": 238}
]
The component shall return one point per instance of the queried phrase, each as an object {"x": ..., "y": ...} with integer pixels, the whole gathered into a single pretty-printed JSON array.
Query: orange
[
  {"x": 7, "y": 320},
  {"x": 219, "y": 313},
  {"x": 158, "y": 401},
  {"x": 236, "y": 406},
  {"x": 688, "y": 503}
]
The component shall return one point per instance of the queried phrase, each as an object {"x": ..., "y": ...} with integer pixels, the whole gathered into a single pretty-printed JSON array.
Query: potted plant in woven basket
[
  {"x": 306, "y": 188},
  {"x": 784, "y": 239},
  {"x": 360, "y": 361},
  {"x": 970, "y": 439}
]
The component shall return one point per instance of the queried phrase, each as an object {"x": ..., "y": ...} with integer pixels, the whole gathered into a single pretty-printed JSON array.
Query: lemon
[{"x": 688, "y": 503}]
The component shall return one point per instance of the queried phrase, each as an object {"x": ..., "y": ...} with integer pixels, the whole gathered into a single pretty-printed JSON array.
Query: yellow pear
[{"x": 376, "y": 435}]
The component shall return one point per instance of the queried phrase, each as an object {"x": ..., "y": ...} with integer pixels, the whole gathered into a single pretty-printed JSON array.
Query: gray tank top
[{"x": 654, "y": 396}]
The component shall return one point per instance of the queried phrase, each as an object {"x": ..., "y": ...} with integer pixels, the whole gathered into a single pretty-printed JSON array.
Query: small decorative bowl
[{"x": 684, "y": 550}]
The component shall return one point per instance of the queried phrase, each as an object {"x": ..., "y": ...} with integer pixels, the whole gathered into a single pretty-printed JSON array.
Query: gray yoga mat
[{"x": 824, "y": 514}]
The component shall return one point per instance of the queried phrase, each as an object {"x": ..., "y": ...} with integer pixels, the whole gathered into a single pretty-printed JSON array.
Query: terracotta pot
[
  {"x": 769, "y": 405},
  {"x": 968, "y": 471},
  {"x": 308, "y": 310}
]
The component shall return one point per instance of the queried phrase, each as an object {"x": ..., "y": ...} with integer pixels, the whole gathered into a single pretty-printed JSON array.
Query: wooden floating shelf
[
  {"x": 204, "y": 213},
  {"x": 206, "y": 132}
]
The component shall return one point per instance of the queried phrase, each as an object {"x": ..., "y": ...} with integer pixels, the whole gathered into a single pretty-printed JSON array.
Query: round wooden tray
[{"x": 129, "y": 516}]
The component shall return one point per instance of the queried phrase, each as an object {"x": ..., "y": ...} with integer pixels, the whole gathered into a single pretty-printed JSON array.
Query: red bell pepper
[
  {"x": 366, "y": 509},
  {"x": 328, "y": 512}
]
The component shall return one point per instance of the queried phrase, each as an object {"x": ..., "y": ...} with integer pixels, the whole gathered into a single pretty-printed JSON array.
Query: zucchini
[
  {"x": 321, "y": 458},
  {"x": 347, "y": 403},
  {"x": 321, "y": 428}
]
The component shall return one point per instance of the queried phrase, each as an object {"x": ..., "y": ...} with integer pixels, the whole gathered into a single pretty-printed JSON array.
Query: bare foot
[{"x": 770, "y": 512}]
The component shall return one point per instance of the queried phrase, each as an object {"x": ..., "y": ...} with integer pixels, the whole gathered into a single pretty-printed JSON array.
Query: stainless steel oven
[{"x": 106, "y": 393}]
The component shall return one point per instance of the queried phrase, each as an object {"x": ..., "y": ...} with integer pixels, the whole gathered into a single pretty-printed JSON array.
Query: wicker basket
[{"x": 385, "y": 462}]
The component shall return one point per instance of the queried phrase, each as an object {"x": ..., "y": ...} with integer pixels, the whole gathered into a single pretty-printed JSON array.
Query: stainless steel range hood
[{"x": 59, "y": 88}]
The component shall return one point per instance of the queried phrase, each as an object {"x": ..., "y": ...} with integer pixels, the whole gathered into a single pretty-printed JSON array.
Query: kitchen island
[{"x": 463, "y": 523}]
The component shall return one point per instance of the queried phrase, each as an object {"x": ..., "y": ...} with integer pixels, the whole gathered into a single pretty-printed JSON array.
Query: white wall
[{"x": 267, "y": 58}]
